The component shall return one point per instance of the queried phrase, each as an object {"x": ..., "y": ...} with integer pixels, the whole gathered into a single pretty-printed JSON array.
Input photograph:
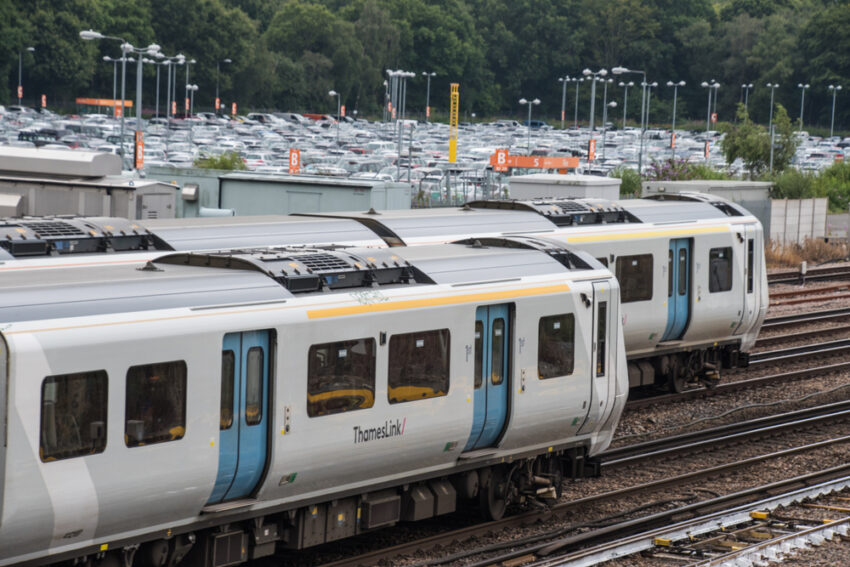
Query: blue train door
[
  {"x": 678, "y": 286},
  {"x": 490, "y": 403},
  {"x": 244, "y": 417}
]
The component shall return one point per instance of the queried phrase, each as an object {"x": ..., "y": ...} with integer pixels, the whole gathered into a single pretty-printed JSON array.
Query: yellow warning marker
[
  {"x": 759, "y": 515},
  {"x": 454, "y": 107},
  {"x": 663, "y": 542}
]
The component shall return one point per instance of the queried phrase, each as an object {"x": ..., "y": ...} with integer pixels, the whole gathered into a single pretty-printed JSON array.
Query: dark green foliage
[
  {"x": 287, "y": 54},
  {"x": 751, "y": 142}
]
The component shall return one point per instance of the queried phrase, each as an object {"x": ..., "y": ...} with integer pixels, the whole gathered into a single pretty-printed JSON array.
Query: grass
[{"x": 813, "y": 251}]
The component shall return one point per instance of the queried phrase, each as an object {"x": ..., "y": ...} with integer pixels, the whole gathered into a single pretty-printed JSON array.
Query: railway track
[
  {"x": 812, "y": 274},
  {"x": 566, "y": 537}
]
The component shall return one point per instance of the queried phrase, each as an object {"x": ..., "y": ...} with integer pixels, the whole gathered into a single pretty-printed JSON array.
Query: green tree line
[{"x": 287, "y": 54}]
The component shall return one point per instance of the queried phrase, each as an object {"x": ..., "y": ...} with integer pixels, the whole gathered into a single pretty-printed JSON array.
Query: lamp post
[
  {"x": 428, "y": 94},
  {"x": 217, "y": 71},
  {"x": 398, "y": 80},
  {"x": 564, "y": 80},
  {"x": 577, "y": 82},
  {"x": 593, "y": 77},
  {"x": 535, "y": 102},
  {"x": 709, "y": 86},
  {"x": 834, "y": 90},
  {"x": 89, "y": 35},
  {"x": 386, "y": 99},
  {"x": 192, "y": 89},
  {"x": 802, "y": 88},
  {"x": 620, "y": 71},
  {"x": 114, "y": 61},
  {"x": 747, "y": 88},
  {"x": 716, "y": 87},
  {"x": 772, "y": 87},
  {"x": 612, "y": 105},
  {"x": 625, "y": 98},
  {"x": 605, "y": 83},
  {"x": 20, "y": 72},
  {"x": 188, "y": 64},
  {"x": 649, "y": 88},
  {"x": 338, "y": 117},
  {"x": 673, "y": 126}
]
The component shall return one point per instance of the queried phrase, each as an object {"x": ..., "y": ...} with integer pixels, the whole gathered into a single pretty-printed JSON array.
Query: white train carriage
[
  {"x": 692, "y": 265},
  {"x": 691, "y": 269},
  {"x": 215, "y": 408}
]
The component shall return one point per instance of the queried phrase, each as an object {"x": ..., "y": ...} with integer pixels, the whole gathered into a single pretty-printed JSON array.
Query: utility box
[{"x": 543, "y": 185}]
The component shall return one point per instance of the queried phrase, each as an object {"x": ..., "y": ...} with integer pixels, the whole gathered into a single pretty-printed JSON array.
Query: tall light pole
[
  {"x": 611, "y": 105},
  {"x": 620, "y": 71},
  {"x": 535, "y": 102},
  {"x": 625, "y": 98},
  {"x": 802, "y": 88},
  {"x": 386, "y": 100},
  {"x": 20, "y": 72},
  {"x": 192, "y": 90},
  {"x": 564, "y": 80},
  {"x": 217, "y": 71},
  {"x": 577, "y": 82},
  {"x": 114, "y": 61},
  {"x": 428, "y": 95},
  {"x": 593, "y": 77},
  {"x": 649, "y": 88},
  {"x": 673, "y": 126},
  {"x": 338, "y": 117},
  {"x": 772, "y": 87},
  {"x": 90, "y": 35},
  {"x": 716, "y": 88},
  {"x": 709, "y": 86},
  {"x": 834, "y": 90},
  {"x": 189, "y": 63},
  {"x": 398, "y": 84},
  {"x": 747, "y": 88}
]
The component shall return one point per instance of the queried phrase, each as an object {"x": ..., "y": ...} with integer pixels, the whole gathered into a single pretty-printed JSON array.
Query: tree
[{"x": 751, "y": 142}]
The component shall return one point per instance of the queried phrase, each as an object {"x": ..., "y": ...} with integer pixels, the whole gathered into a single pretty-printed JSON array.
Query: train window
[
  {"x": 479, "y": 353},
  {"x": 603, "y": 261},
  {"x": 601, "y": 333},
  {"x": 635, "y": 276},
  {"x": 683, "y": 271},
  {"x": 720, "y": 269},
  {"x": 254, "y": 386},
  {"x": 669, "y": 273},
  {"x": 73, "y": 415},
  {"x": 418, "y": 366},
  {"x": 750, "y": 261},
  {"x": 155, "y": 408},
  {"x": 228, "y": 370},
  {"x": 340, "y": 377},
  {"x": 497, "y": 347},
  {"x": 556, "y": 345}
]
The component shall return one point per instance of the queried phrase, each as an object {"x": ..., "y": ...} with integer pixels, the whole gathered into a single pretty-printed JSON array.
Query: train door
[
  {"x": 244, "y": 418},
  {"x": 678, "y": 286},
  {"x": 750, "y": 311},
  {"x": 490, "y": 400},
  {"x": 603, "y": 355}
]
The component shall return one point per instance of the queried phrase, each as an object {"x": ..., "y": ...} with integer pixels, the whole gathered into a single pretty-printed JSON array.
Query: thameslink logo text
[{"x": 389, "y": 429}]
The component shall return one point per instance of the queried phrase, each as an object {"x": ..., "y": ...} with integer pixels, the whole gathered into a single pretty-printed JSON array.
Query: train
[
  {"x": 212, "y": 408},
  {"x": 686, "y": 319}
]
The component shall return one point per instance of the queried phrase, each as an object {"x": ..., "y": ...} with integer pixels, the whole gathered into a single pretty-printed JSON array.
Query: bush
[
  {"x": 226, "y": 161},
  {"x": 681, "y": 170},
  {"x": 833, "y": 182},
  {"x": 630, "y": 181},
  {"x": 815, "y": 251}
]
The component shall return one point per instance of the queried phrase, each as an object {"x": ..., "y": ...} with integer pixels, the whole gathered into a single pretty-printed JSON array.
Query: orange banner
[
  {"x": 591, "y": 150},
  {"x": 140, "y": 150},
  {"x": 232, "y": 109},
  {"x": 103, "y": 102},
  {"x": 294, "y": 161},
  {"x": 501, "y": 161}
]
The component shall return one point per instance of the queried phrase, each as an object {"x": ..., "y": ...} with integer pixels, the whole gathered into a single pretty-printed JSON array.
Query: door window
[
  {"x": 683, "y": 271},
  {"x": 228, "y": 378},
  {"x": 601, "y": 333},
  {"x": 254, "y": 386},
  {"x": 479, "y": 352},
  {"x": 497, "y": 362}
]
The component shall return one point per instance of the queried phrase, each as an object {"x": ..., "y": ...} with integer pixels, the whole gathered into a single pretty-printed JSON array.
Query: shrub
[
  {"x": 681, "y": 170},
  {"x": 813, "y": 250},
  {"x": 226, "y": 161},
  {"x": 630, "y": 181}
]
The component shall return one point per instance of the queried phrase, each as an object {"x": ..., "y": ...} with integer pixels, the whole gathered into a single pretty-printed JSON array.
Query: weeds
[{"x": 814, "y": 251}]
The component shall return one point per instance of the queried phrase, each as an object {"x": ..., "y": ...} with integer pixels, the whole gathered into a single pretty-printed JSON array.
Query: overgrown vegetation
[
  {"x": 751, "y": 142},
  {"x": 833, "y": 182},
  {"x": 681, "y": 170},
  {"x": 225, "y": 161},
  {"x": 813, "y": 251},
  {"x": 630, "y": 182}
]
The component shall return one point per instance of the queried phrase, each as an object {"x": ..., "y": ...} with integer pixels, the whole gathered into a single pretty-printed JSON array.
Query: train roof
[{"x": 256, "y": 276}]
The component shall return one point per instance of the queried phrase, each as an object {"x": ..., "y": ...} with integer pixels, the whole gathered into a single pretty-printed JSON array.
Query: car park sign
[
  {"x": 294, "y": 161},
  {"x": 502, "y": 161}
]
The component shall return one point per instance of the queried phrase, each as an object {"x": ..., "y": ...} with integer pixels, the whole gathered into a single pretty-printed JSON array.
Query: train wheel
[{"x": 493, "y": 496}]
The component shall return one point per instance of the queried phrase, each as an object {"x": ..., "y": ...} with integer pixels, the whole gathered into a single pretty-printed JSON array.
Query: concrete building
[{"x": 539, "y": 185}]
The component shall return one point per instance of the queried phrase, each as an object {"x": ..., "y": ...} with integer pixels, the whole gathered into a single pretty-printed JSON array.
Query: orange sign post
[
  {"x": 342, "y": 110},
  {"x": 294, "y": 161},
  {"x": 591, "y": 150},
  {"x": 502, "y": 161},
  {"x": 140, "y": 150},
  {"x": 44, "y": 101},
  {"x": 673, "y": 140},
  {"x": 217, "y": 104},
  {"x": 232, "y": 109}
]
